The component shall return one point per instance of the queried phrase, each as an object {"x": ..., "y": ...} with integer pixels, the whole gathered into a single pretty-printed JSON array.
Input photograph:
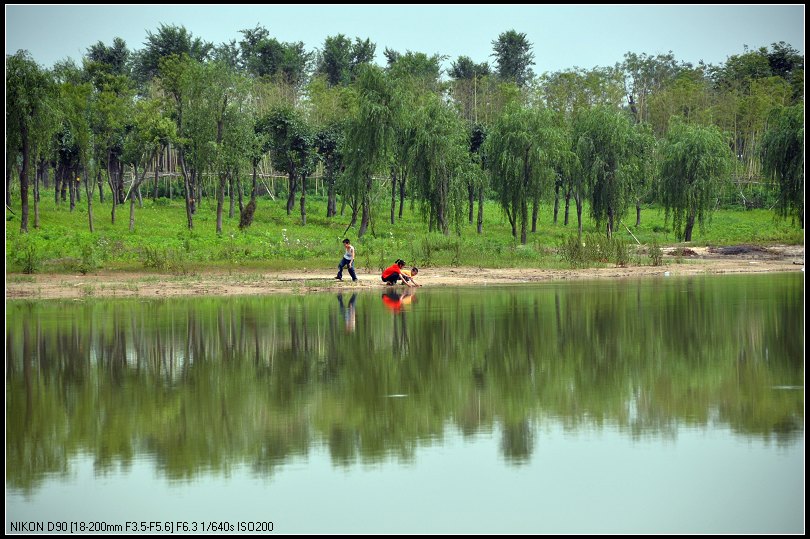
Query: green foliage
[
  {"x": 695, "y": 164},
  {"x": 521, "y": 151},
  {"x": 89, "y": 258},
  {"x": 276, "y": 242},
  {"x": 27, "y": 253},
  {"x": 655, "y": 252},
  {"x": 168, "y": 40},
  {"x": 594, "y": 248},
  {"x": 513, "y": 57},
  {"x": 167, "y": 260},
  {"x": 604, "y": 140},
  {"x": 572, "y": 252},
  {"x": 782, "y": 157},
  {"x": 341, "y": 58}
]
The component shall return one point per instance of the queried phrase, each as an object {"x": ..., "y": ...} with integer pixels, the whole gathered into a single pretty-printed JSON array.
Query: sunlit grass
[{"x": 163, "y": 243}]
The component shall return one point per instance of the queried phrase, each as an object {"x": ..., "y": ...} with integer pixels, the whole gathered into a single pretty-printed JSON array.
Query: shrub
[
  {"x": 656, "y": 253},
  {"x": 27, "y": 253},
  {"x": 572, "y": 251}
]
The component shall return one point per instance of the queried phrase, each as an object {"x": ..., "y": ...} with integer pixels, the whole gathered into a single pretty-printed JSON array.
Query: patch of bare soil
[{"x": 679, "y": 261}]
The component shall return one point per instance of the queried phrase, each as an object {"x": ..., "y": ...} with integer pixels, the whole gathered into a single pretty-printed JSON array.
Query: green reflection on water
[{"x": 205, "y": 385}]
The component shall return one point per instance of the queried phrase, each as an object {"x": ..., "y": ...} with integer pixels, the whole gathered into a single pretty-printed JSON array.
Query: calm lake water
[{"x": 667, "y": 405}]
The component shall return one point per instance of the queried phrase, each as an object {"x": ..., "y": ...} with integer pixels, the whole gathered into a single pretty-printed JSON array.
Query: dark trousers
[
  {"x": 393, "y": 278},
  {"x": 345, "y": 262}
]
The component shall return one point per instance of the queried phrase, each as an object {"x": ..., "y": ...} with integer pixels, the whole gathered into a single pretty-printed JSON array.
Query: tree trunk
[
  {"x": 187, "y": 189},
  {"x": 535, "y": 206},
  {"x": 610, "y": 223},
  {"x": 65, "y": 182},
  {"x": 567, "y": 205},
  {"x": 524, "y": 219},
  {"x": 8, "y": 182},
  {"x": 303, "y": 200},
  {"x": 402, "y": 193},
  {"x": 254, "y": 186},
  {"x": 393, "y": 193},
  {"x": 239, "y": 193},
  {"x": 480, "y": 209},
  {"x": 638, "y": 214},
  {"x": 71, "y": 179},
  {"x": 42, "y": 174},
  {"x": 24, "y": 179},
  {"x": 120, "y": 178},
  {"x": 578, "y": 201},
  {"x": 690, "y": 224},
  {"x": 36, "y": 197},
  {"x": 471, "y": 198},
  {"x": 88, "y": 187},
  {"x": 331, "y": 201},
  {"x": 231, "y": 200},
  {"x": 158, "y": 156},
  {"x": 291, "y": 194},
  {"x": 511, "y": 215},
  {"x": 220, "y": 201},
  {"x": 366, "y": 210},
  {"x": 100, "y": 187},
  {"x": 57, "y": 177},
  {"x": 556, "y": 201}
]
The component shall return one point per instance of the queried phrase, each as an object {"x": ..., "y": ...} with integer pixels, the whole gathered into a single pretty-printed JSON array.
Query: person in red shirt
[{"x": 393, "y": 273}]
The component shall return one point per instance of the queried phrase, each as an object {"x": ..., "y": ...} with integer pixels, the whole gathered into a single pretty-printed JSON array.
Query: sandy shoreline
[{"x": 701, "y": 261}]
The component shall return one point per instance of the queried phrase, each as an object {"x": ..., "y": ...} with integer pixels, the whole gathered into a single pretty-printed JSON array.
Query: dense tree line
[{"x": 649, "y": 129}]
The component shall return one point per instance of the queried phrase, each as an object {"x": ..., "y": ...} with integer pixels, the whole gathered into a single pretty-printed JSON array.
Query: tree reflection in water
[{"x": 204, "y": 385}]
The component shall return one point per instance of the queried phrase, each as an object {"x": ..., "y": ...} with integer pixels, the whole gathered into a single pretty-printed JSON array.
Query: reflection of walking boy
[
  {"x": 348, "y": 314},
  {"x": 347, "y": 260}
]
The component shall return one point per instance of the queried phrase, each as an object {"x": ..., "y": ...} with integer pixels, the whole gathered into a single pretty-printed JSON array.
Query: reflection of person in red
[
  {"x": 393, "y": 273},
  {"x": 396, "y": 301}
]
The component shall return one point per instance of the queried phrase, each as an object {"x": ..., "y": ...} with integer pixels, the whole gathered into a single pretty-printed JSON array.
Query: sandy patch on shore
[{"x": 694, "y": 261}]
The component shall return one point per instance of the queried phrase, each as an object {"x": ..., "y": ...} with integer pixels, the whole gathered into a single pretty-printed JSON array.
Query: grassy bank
[{"x": 162, "y": 241}]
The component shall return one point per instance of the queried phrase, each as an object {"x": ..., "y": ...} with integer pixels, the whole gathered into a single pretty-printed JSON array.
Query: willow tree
[
  {"x": 567, "y": 93},
  {"x": 439, "y": 161},
  {"x": 604, "y": 139},
  {"x": 370, "y": 136},
  {"x": 521, "y": 151},
  {"x": 695, "y": 162},
  {"x": 782, "y": 157}
]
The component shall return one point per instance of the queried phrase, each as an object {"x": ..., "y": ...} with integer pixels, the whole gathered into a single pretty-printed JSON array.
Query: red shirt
[{"x": 391, "y": 270}]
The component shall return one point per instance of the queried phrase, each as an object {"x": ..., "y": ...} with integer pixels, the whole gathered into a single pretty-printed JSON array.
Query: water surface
[{"x": 662, "y": 405}]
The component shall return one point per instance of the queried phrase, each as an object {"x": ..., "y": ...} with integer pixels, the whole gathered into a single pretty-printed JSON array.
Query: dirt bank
[{"x": 691, "y": 261}]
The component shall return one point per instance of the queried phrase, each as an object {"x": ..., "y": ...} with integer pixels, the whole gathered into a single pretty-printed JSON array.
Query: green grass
[{"x": 163, "y": 243}]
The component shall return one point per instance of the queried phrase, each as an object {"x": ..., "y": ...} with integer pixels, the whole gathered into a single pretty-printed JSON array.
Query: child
[
  {"x": 347, "y": 260},
  {"x": 409, "y": 275},
  {"x": 393, "y": 273}
]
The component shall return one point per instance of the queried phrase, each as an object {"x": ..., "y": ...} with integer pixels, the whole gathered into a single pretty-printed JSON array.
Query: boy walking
[{"x": 347, "y": 260}]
